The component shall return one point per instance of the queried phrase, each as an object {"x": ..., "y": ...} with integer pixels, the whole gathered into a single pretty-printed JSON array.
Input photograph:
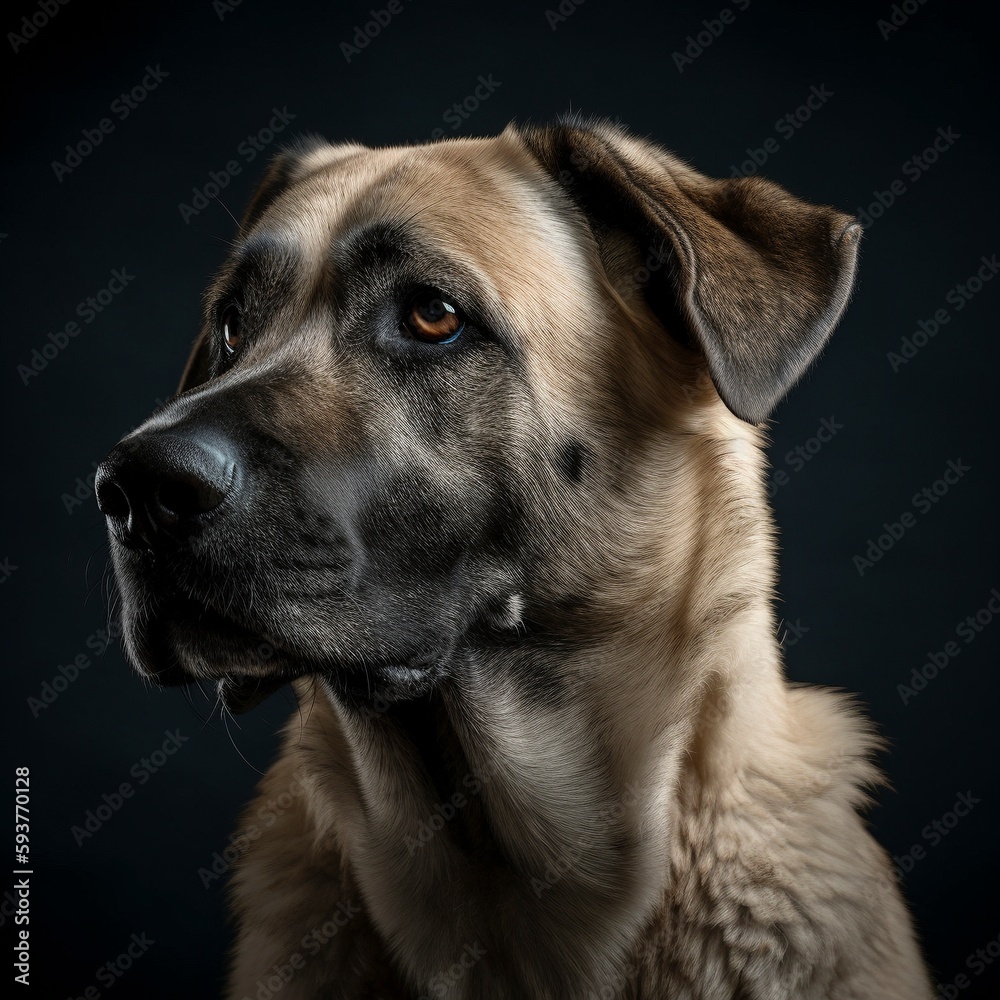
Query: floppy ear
[
  {"x": 285, "y": 168},
  {"x": 756, "y": 278}
]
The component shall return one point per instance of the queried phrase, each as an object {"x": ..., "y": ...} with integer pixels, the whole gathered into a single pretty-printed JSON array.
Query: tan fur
[{"x": 680, "y": 822}]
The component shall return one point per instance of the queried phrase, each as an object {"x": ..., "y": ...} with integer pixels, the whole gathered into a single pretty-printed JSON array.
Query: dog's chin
[
  {"x": 376, "y": 687},
  {"x": 175, "y": 649},
  {"x": 194, "y": 645}
]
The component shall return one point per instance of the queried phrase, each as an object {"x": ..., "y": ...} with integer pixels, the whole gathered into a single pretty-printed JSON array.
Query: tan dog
[{"x": 469, "y": 450}]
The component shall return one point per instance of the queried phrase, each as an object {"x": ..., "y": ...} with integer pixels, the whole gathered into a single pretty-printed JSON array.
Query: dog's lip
[
  {"x": 190, "y": 612},
  {"x": 239, "y": 691},
  {"x": 181, "y": 610}
]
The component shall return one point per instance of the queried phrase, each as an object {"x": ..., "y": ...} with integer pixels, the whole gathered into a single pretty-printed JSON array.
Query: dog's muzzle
[{"x": 159, "y": 490}]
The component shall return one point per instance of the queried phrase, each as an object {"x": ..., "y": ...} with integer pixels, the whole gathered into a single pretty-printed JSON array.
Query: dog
[{"x": 470, "y": 450}]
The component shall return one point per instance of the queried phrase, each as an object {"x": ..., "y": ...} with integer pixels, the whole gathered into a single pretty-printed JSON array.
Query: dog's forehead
[
  {"x": 483, "y": 203},
  {"x": 486, "y": 200}
]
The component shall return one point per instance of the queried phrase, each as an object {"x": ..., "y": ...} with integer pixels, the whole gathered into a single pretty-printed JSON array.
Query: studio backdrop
[{"x": 135, "y": 134}]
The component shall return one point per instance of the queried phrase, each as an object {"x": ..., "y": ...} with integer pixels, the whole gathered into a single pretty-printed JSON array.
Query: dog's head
[{"x": 426, "y": 376}]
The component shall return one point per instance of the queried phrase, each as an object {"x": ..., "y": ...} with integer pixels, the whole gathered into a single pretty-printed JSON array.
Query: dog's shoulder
[{"x": 774, "y": 879}]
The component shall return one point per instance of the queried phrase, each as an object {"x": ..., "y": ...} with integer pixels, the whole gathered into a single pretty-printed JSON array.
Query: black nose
[{"x": 162, "y": 482}]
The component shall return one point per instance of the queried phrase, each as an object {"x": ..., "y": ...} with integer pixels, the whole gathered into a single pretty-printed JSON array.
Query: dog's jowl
[{"x": 470, "y": 451}]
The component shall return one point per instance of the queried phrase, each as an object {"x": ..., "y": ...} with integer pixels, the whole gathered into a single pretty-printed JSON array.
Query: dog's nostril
[
  {"x": 112, "y": 501},
  {"x": 178, "y": 498}
]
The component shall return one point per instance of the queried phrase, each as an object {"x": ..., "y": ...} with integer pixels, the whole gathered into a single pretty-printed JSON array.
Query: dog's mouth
[
  {"x": 179, "y": 641},
  {"x": 185, "y": 642},
  {"x": 371, "y": 686}
]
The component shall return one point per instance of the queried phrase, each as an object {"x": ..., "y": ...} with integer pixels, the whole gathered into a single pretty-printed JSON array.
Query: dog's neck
[{"x": 525, "y": 820}]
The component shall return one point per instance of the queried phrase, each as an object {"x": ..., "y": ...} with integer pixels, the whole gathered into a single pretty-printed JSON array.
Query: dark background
[{"x": 119, "y": 208}]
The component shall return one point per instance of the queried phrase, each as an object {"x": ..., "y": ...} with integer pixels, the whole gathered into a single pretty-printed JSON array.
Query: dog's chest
[{"x": 736, "y": 923}]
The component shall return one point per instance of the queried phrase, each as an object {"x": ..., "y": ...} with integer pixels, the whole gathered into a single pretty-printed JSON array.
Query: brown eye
[
  {"x": 232, "y": 333},
  {"x": 432, "y": 318}
]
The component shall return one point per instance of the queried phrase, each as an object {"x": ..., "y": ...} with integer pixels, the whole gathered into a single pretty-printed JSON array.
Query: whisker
[
  {"x": 226, "y": 207},
  {"x": 225, "y": 713}
]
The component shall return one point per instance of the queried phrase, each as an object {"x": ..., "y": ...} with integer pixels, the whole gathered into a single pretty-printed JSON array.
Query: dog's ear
[
  {"x": 755, "y": 278},
  {"x": 286, "y": 167}
]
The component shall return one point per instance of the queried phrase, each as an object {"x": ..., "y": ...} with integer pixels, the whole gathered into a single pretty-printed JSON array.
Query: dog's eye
[
  {"x": 231, "y": 329},
  {"x": 433, "y": 318}
]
